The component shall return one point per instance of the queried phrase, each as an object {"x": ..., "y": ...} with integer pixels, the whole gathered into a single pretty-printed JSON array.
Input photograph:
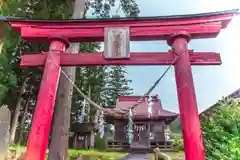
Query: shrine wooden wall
[
  {"x": 118, "y": 138},
  {"x": 120, "y": 131},
  {"x": 157, "y": 129}
]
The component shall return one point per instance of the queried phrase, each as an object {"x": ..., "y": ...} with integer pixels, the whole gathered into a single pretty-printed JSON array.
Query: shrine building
[{"x": 150, "y": 129}]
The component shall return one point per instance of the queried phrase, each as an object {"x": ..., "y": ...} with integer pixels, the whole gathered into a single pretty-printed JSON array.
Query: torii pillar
[
  {"x": 41, "y": 125},
  {"x": 193, "y": 144}
]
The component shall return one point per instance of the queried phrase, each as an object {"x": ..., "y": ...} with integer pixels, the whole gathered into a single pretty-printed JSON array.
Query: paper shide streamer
[
  {"x": 130, "y": 127},
  {"x": 150, "y": 104},
  {"x": 101, "y": 125},
  {"x": 82, "y": 112}
]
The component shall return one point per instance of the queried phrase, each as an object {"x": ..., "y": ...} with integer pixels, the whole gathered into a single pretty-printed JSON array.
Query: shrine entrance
[
  {"x": 117, "y": 33},
  {"x": 140, "y": 136}
]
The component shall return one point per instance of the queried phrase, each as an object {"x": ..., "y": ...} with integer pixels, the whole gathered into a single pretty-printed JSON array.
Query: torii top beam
[{"x": 206, "y": 25}]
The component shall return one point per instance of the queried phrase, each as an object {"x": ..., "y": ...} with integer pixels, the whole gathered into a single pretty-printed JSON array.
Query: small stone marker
[
  {"x": 3, "y": 29},
  {"x": 4, "y": 131},
  {"x": 116, "y": 43}
]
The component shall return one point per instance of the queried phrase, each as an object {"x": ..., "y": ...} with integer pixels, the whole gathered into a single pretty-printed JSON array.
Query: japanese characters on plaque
[{"x": 116, "y": 43}]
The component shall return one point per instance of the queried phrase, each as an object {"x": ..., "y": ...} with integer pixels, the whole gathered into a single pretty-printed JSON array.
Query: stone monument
[{"x": 4, "y": 131}]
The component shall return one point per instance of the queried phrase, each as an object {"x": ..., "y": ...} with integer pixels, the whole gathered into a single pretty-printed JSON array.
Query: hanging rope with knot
[
  {"x": 176, "y": 56},
  {"x": 142, "y": 99}
]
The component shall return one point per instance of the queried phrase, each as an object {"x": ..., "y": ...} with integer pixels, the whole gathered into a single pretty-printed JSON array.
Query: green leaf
[{"x": 3, "y": 91}]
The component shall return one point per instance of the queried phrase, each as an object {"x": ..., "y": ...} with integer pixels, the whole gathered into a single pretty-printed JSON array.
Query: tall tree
[
  {"x": 10, "y": 72},
  {"x": 117, "y": 84},
  {"x": 88, "y": 76},
  {"x": 17, "y": 111},
  {"x": 11, "y": 76}
]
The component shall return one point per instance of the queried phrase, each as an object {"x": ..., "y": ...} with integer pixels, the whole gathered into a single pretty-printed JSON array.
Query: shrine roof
[
  {"x": 124, "y": 103},
  {"x": 174, "y": 17}
]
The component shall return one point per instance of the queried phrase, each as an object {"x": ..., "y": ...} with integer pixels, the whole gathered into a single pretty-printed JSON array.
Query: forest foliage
[
  {"x": 104, "y": 85},
  {"x": 221, "y": 131}
]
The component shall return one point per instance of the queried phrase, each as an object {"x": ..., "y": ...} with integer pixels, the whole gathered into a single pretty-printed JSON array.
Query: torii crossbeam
[
  {"x": 176, "y": 30},
  {"x": 97, "y": 59}
]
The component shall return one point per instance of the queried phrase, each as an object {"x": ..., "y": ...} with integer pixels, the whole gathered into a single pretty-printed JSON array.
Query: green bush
[
  {"x": 178, "y": 142},
  {"x": 100, "y": 143},
  {"x": 221, "y": 132}
]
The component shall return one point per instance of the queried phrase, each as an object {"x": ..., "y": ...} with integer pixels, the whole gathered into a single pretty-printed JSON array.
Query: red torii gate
[{"x": 176, "y": 30}]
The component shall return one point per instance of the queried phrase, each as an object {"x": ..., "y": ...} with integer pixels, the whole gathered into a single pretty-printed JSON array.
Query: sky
[{"x": 211, "y": 82}]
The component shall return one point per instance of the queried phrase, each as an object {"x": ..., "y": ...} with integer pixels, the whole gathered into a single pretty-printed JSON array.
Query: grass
[
  {"x": 100, "y": 154},
  {"x": 96, "y": 153},
  {"x": 82, "y": 152}
]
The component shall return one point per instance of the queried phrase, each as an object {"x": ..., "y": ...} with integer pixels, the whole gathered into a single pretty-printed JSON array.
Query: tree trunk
[
  {"x": 58, "y": 148},
  {"x": 91, "y": 138},
  {"x": 17, "y": 113},
  {"x": 23, "y": 119},
  {"x": 89, "y": 105}
]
